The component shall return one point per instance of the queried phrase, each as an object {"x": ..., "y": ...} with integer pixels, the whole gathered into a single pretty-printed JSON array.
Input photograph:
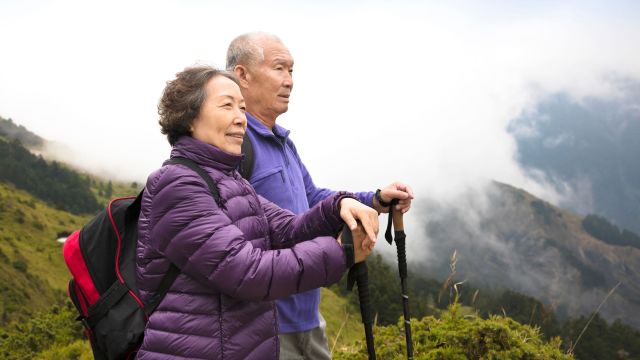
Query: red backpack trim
[
  {"x": 78, "y": 268},
  {"x": 113, "y": 223}
]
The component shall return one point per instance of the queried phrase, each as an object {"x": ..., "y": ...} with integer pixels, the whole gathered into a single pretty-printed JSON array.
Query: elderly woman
[{"x": 236, "y": 257}]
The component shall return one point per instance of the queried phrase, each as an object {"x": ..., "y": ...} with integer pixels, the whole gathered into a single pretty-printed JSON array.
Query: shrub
[
  {"x": 20, "y": 265},
  {"x": 24, "y": 340},
  {"x": 455, "y": 336}
]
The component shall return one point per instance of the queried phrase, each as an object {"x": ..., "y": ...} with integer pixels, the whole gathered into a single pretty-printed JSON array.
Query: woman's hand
[
  {"x": 360, "y": 253},
  {"x": 352, "y": 210}
]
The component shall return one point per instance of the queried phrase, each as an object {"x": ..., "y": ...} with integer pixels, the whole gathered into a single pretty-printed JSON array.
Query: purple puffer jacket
[{"x": 234, "y": 260}]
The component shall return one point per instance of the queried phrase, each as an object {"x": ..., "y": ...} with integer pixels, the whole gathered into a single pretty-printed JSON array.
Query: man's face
[{"x": 270, "y": 82}]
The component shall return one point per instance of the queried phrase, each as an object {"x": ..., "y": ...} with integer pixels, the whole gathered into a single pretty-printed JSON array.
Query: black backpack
[
  {"x": 101, "y": 259},
  {"x": 246, "y": 165}
]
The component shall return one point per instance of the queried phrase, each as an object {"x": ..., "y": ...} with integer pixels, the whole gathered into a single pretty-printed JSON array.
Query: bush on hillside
[
  {"x": 455, "y": 336},
  {"x": 24, "y": 340}
]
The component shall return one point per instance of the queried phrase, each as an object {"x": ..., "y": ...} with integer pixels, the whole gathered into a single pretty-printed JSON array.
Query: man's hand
[
  {"x": 395, "y": 190},
  {"x": 352, "y": 210}
]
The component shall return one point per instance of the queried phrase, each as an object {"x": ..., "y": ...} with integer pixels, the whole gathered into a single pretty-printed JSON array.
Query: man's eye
[{"x": 243, "y": 108}]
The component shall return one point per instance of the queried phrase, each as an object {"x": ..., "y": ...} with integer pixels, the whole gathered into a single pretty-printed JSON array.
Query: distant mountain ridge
[
  {"x": 511, "y": 239},
  {"x": 11, "y": 130},
  {"x": 590, "y": 147},
  {"x": 52, "y": 182}
]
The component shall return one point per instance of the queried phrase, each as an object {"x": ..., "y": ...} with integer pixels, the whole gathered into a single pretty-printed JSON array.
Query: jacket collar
[
  {"x": 205, "y": 154},
  {"x": 263, "y": 130}
]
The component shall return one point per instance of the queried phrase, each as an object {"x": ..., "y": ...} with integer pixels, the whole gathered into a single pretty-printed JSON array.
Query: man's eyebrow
[{"x": 282, "y": 60}]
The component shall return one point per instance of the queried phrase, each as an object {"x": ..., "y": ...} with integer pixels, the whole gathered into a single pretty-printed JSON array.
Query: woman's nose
[{"x": 241, "y": 119}]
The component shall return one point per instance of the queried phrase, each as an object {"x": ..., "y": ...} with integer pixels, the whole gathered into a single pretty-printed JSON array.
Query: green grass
[
  {"x": 32, "y": 271},
  {"x": 344, "y": 326},
  {"x": 119, "y": 189}
]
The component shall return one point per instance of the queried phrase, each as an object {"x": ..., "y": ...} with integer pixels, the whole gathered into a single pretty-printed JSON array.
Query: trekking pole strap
[
  {"x": 392, "y": 222},
  {"x": 347, "y": 247}
]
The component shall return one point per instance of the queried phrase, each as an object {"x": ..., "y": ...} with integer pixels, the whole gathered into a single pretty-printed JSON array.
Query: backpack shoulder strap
[
  {"x": 246, "y": 166},
  {"x": 165, "y": 284},
  {"x": 174, "y": 271},
  {"x": 203, "y": 174}
]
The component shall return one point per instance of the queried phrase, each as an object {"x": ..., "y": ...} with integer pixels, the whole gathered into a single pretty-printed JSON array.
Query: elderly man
[{"x": 264, "y": 67}]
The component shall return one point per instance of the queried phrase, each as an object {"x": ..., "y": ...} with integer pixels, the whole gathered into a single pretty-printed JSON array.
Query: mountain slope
[
  {"x": 11, "y": 130},
  {"x": 510, "y": 239},
  {"x": 32, "y": 271}
]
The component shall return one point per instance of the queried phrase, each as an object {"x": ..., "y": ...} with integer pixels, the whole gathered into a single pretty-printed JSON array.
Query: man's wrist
[{"x": 381, "y": 201}]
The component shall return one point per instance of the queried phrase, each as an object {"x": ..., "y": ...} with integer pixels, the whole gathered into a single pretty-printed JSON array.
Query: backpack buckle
[{"x": 85, "y": 322}]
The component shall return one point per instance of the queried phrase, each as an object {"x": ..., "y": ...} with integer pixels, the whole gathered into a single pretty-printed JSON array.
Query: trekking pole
[
  {"x": 400, "y": 236},
  {"x": 359, "y": 274}
]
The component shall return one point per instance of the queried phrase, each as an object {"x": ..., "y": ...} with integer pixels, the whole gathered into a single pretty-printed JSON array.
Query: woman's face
[{"x": 221, "y": 121}]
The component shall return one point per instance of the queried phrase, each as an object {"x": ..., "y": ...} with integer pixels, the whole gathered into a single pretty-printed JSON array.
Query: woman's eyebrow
[{"x": 227, "y": 96}]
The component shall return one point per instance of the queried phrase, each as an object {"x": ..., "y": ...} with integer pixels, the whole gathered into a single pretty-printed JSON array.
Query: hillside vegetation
[
  {"x": 604, "y": 230},
  {"x": 38, "y": 320},
  {"x": 457, "y": 337},
  {"x": 11, "y": 130},
  {"x": 51, "y": 182},
  {"x": 32, "y": 271}
]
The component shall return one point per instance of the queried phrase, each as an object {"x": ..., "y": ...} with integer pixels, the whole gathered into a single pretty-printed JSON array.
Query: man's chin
[{"x": 283, "y": 109}]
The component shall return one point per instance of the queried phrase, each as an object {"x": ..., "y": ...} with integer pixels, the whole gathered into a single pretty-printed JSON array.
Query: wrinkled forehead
[
  {"x": 221, "y": 86},
  {"x": 275, "y": 51}
]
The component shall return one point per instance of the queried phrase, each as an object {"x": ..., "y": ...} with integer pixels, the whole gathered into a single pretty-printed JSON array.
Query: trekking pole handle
[{"x": 398, "y": 223}]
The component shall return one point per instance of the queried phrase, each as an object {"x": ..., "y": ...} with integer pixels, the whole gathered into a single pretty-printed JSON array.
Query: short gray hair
[{"x": 246, "y": 49}]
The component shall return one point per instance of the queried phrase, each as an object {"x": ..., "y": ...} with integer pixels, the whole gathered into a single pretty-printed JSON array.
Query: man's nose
[{"x": 288, "y": 81}]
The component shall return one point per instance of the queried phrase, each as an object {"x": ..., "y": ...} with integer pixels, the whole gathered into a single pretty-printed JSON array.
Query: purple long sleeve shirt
[{"x": 280, "y": 176}]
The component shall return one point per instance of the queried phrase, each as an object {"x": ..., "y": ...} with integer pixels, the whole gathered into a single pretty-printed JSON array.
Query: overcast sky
[{"x": 414, "y": 91}]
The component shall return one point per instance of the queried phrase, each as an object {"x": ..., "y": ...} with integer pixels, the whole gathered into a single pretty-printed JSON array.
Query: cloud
[{"x": 416, "y": 92}]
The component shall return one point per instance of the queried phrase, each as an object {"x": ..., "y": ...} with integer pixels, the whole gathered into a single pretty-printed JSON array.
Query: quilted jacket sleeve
[
  {"x": 286, "y": 229},
  {"x": 189, "y": 229}
]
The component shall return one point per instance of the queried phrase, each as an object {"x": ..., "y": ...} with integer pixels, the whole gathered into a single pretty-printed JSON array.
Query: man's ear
[{"x": 243, "y": 75}]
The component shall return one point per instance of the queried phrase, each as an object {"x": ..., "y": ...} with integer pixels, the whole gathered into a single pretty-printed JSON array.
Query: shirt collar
[
  {"x": 205, "y": 154},
  {"x": 263, "y": 130}
]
